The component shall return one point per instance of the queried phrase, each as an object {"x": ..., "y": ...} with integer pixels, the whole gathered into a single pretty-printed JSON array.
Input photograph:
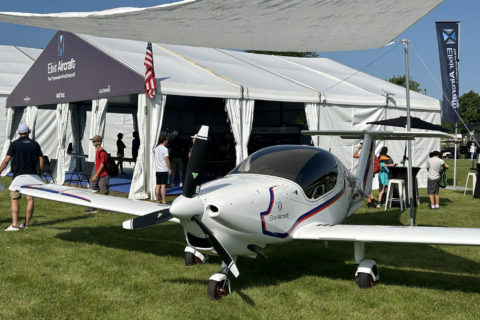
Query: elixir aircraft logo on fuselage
[{"x": 449, "y": 36}]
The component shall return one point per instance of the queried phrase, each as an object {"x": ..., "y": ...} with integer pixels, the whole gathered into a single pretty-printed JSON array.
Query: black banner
[{"x": 448, "y": 38}]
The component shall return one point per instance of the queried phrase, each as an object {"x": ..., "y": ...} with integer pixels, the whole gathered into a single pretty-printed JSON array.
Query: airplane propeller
[{"x": 189, "y": 206}]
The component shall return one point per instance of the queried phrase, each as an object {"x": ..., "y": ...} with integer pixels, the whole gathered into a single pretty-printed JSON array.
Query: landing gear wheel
[
  {"x": 364, "y": 280},
  {"x": 217, "y": 289},
  {"x": 191, "y": 259}
]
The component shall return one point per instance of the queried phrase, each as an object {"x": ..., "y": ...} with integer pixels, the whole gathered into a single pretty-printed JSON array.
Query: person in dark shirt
[
  {"x": 120, "y": 151},
  {"x": 177, "y": 151},
  {"x": 26, "y": 154},
  {"x": 135, "y": 145}
]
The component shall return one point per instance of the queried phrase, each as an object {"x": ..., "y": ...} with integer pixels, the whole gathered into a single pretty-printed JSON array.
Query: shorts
[
  {"x": 162, "y": 177},
  {"x": 433, "y": 186},
  {"x": 102, "y": 184},
  {"x": 15, "y": 195}
]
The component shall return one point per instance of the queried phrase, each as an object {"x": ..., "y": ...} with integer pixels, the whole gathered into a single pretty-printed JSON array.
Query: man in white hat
[{"x": 26, "y": 155}]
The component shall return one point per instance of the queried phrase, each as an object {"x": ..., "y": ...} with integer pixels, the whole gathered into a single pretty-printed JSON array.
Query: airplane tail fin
[{"x": 365, "y": 165}]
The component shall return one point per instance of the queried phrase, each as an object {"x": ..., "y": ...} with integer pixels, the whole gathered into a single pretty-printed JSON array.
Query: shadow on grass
[
  {"x": 412, "y": 265},
  {"x": 165, "y": 240}
]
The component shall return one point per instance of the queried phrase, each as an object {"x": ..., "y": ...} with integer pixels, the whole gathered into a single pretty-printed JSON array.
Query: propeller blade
[
  {"x": 222, "y": 252},
  {"x": 193, "y": 176},
  {"x": 148, "y": 220}
]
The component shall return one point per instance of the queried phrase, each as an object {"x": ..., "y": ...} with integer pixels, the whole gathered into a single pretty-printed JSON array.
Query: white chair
[
  {"x": 401, "y": 193},
  {"x": 474, "y": 182}
]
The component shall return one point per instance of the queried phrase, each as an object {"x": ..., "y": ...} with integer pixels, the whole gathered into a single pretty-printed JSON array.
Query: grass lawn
[{"x": 72, "y": 265}]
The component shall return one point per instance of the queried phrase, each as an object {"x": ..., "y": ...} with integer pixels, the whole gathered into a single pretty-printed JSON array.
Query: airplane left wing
[
  {"x": 33, "y": 186},
  {"x": 393, "y": 234}
]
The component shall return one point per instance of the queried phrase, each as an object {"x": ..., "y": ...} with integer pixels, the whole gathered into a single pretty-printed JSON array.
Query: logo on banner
[
  {"x": 449, "y": 36},
  {"x": 61, "y": 45}
]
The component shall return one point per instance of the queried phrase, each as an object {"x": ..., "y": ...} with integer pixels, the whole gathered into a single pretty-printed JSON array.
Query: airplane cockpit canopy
[{"x": 314, "y": 169}]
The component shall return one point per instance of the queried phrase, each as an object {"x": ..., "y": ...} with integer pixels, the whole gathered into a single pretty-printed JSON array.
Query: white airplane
[{"x": 278, "y": 194}]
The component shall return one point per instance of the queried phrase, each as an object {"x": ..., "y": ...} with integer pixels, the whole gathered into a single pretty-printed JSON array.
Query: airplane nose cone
[{"x": 185, "y": 208}]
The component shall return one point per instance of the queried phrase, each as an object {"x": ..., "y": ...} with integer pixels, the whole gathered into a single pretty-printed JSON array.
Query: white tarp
[
  {"x": 240, "y": 115},
  {"x": 63, "y": 160},
  {"x": 150, "y": 118},
  {"x": 278, "y": 25}
]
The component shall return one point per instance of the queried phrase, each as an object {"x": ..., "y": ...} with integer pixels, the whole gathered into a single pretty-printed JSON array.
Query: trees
[
  {"x": 470, "y": 107},
  {"x": 400, "y": 80}
]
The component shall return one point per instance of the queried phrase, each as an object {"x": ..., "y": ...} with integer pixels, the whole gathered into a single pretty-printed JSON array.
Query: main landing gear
[
  {"x": 367, "y": 272},
  {"x": 193, "y": 257}
]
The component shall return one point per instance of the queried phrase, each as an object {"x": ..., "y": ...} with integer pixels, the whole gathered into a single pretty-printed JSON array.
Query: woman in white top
[{"x": 162, "y": 169}]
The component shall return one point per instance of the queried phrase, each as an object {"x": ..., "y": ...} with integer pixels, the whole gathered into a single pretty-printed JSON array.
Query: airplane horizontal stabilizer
[
  {"x": 393, "y": 234},
  {"x": 377, "y": 135}
]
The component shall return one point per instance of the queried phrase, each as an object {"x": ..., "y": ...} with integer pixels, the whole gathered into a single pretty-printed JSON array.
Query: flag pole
[{"x": 409, "y": 142}]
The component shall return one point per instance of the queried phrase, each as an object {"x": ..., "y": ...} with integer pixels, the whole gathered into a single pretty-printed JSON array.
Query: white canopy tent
[
  {"x": 278, "y": 25},
  {"x": 241, "y": 79}
]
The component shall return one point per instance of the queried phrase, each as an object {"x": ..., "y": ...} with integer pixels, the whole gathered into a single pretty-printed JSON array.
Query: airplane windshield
[{"x": 315, "y": 170}]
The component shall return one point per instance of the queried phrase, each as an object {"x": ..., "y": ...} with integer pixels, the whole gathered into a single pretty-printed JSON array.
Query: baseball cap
[
  {"x": 96, "y": 139},
  {"x": 23, "y": 128},
  {"x": 194, "y": 136}
]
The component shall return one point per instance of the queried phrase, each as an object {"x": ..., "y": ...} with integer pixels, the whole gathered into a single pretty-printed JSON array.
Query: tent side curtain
[
  {"x": 78, "y": 122},
  {"x": 63, "y": 161},
  {"x": 31, "y": 119},
  {"x": 240, "y": 115},
  {"x": 149, "y": 118},
  {"x": 312, "y": 113},
  {"x": 13, "y": 118},
  {"x": 97, "y": 123}
]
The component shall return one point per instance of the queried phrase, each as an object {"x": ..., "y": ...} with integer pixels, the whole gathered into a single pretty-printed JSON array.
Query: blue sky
[{"x": 422, "y": 38}]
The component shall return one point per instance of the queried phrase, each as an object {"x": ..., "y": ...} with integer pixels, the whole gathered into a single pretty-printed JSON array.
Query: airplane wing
[
  {"x": 393, "y": 234},
  {"x": 33, "y": 185},
  {"x": 379, "y": 135}
]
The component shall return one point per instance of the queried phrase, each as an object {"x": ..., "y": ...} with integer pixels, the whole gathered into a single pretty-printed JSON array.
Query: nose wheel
[{"x": 218, "y": 286}]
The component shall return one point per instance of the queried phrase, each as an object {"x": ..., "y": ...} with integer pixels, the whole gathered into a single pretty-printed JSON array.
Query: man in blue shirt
[{"x": 26, "y": 154}]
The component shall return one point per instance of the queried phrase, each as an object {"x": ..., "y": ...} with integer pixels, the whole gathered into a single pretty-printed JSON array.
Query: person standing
[
  {"x": 177, "y": 151},
  {"x": 135, "y": 145},
  {"x": 26, "y": 154},
  {"x": 162, "y": 169},
  {"x": 434, "y": 166},
  {"x": 100, "y": 180},
  {"x": 383, "y": 176},
  {"x": 120, "y": 151}
]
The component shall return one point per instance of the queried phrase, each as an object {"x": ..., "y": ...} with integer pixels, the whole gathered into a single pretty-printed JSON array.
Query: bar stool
[
  {"x": 401, "y": 191},
  {"x": 474, "y": 182}
]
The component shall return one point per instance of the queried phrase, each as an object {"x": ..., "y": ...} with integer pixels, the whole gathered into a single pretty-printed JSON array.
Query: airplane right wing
[{"x": 392, "y": 234}]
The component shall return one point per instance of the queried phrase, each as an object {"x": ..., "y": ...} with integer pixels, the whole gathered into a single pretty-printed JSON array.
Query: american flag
[{"x": 150, "y": 83}]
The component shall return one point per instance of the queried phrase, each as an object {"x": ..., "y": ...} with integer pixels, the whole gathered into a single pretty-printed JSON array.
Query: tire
[
  {"x": 190, "y": 259},
  {"x": 217, "y": 289},
  {"x": 364, "y": 280}
]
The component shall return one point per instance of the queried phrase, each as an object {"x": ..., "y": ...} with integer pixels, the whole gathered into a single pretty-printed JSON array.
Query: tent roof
[
  {"x": 278, "y": 25},
  {"x": 201, "y": 72},
  {"x": 14, "y": 63}
]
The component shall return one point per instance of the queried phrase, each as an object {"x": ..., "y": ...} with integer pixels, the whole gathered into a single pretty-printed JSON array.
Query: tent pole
[
  {"x": 409, "y": 142},
  {"x": 455, "y": 158}
]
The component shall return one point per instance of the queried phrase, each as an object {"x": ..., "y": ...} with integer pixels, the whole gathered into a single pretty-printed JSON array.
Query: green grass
[{"x": 71, "y": 265}]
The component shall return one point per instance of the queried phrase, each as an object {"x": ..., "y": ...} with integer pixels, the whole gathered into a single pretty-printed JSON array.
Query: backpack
[
  {"x": 376, "y": 164},
  {"x": 111, "y": 166},
  {"x": 443, "y": 177}
]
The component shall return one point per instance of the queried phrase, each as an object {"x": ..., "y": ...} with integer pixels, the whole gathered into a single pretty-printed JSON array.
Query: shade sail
[
  {"x": 277, "y": 25},
  {"x": 415, "y": 123}
]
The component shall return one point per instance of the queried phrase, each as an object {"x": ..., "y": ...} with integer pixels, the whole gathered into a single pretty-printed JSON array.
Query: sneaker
[
  {"x": 379, "y": 205},
  {"x": 11, "y": 228},
  {"x": 90, "y": 210},
  {"x": 23, "y": 226}
]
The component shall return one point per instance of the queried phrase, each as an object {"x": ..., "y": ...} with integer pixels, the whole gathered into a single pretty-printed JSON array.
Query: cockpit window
[{"x": 315, "y": 170}]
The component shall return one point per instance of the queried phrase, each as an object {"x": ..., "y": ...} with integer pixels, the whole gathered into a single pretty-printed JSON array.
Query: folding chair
[
  {"x": 79, "y": 177},
  {"x": 49, "y": 168}
]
